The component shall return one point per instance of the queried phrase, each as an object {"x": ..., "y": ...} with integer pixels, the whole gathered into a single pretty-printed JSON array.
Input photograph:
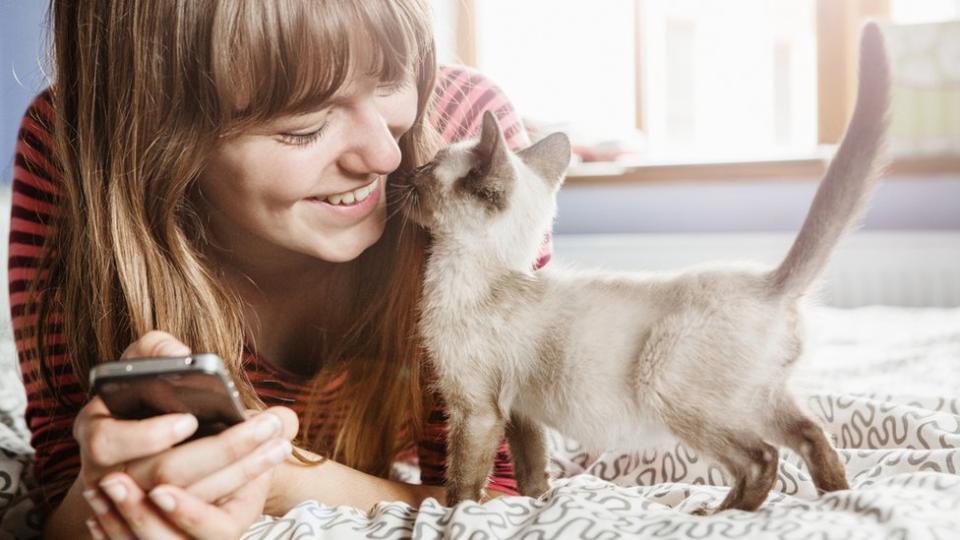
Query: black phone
[{"x": 198, "y": 384}]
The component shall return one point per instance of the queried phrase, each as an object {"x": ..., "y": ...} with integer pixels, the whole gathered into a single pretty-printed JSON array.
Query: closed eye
[
  {"x": 422, "y": 169},
  {"x": 302, "y": 139}
]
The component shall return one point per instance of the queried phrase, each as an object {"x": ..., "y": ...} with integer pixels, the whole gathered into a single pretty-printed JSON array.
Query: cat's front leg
[
  {"x": 528, "y": 447},
  {"x": 472, "y": 441}
]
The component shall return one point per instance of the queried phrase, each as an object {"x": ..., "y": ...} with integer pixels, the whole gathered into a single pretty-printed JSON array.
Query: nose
[{"x": 372, "y": 147}]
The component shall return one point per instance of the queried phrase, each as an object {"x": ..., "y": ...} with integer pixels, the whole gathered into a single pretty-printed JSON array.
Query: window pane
[
  {"x": 444, "y": 28},
  {"x": 562, "y": 60},
  {"x": 924, "y": 45},
  {"x": 734, "y": 79},
  {"x": 731, "y": 79},
  {"x": 912, "y": 11}
]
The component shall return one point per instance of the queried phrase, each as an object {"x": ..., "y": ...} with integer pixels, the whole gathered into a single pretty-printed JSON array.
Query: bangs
[{"x": 292, "y": 56}]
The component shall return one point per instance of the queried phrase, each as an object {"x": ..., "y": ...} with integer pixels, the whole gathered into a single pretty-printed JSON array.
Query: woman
[{"x": 208, "y": 176}]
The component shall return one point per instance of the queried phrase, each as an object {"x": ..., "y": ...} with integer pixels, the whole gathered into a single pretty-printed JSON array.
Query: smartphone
[{"x": 198, "y": 384}]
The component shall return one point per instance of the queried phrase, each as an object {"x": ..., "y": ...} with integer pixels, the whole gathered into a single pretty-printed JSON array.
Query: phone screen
[{"x": 203, "y": 395}]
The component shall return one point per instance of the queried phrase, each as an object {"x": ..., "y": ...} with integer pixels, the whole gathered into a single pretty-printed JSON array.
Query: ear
[
  {"x": 549, "y": 158},
  {"x": 492, "y": 149},
  {"x": 492, "y": 174}
]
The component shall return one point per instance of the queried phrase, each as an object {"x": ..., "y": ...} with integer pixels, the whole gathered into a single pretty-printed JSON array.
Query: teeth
[{"x": 352, "y": 197}]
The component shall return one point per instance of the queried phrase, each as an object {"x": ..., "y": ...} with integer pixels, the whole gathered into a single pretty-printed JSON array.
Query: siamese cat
[{"x": 611, "y": 358}]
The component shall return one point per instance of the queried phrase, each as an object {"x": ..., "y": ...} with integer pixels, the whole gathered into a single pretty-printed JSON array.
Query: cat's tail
[{"x": 850, "y": 178}]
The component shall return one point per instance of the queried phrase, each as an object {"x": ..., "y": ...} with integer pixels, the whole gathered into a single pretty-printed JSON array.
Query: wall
[
  {"x": 22, "y": 38},
  {"x": 927, "y": 203}
]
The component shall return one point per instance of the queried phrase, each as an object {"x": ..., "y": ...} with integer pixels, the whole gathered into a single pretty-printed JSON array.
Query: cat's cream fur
[{"x": 610, "y": 358}]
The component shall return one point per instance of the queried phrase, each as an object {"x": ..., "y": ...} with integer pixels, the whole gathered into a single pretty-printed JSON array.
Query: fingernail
[
  {"x": 95, "y": 529},
  {"x": 163, "y": 499},
  {"x": 267, "y": 425},
  {"x": 279, "y": 452},
  {"x": 99, "y": 505},
  {"x": 185, "y": 426},
  {"x": 116, "y": 490}
]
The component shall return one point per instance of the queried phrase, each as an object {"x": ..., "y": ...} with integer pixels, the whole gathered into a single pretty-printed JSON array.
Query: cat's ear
[
  {"x": 492, "y": 148},
  {"x": 492, "y": 173},
  {"x": 549, "y": 157}
]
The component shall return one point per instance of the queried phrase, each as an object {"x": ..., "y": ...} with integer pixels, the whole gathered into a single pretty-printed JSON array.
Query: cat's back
[{"x": 693, "y": 287}]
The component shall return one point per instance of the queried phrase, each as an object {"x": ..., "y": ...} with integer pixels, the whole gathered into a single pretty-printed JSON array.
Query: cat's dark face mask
[{"x": 480, "y": 187}]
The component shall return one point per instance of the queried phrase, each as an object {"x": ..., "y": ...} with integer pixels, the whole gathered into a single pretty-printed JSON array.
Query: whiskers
[{"x": 406, "y": 195}]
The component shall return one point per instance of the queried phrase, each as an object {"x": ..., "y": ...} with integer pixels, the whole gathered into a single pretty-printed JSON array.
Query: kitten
[{"x": 609, "y": 358}]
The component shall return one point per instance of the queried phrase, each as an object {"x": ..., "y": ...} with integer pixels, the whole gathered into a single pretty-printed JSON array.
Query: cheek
[
  {"x": 263, "y": 174},
  {"x": 400, "y": 109}
]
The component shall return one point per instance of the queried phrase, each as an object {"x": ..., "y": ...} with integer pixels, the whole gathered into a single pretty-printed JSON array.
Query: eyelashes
[
  {"x": 303, "y": 139},
  {"x": 385, "y": 89}
]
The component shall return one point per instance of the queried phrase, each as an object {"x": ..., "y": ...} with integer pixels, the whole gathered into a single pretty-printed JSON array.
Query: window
[
  {"x": 702, "y": 64},
  {"x": 731, "y": 79},
  {"x": 697, "y": 80},
  {"x": 912, "y": 11}
]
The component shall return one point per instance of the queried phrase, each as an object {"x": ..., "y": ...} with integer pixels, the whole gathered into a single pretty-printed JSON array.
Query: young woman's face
[{"x": 283, "y": 191}]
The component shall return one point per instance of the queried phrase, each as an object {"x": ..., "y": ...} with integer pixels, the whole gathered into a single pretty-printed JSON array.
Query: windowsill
[{"x": 812, "y": 168}]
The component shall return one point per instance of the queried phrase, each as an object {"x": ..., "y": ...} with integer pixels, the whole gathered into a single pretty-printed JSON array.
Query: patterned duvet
[{"x": 884, "y": 381}]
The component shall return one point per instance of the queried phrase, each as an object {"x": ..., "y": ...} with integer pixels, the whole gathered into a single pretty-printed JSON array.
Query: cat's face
[{"x": 481, "y": 191}]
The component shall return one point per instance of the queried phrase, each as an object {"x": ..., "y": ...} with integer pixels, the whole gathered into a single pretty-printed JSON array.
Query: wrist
[{"x": 282, "y": 495}]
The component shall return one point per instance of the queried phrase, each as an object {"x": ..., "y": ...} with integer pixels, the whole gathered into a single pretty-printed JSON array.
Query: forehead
[
  {"x": 454, "y": 161},
  {"x": 300, "y": 58}
]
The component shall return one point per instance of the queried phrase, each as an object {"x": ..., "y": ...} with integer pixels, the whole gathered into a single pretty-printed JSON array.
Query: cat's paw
[
  {"x": 456, "y": 495},
  {"x": 704, "y": 511},
  {"x": 534, "y": 489}
]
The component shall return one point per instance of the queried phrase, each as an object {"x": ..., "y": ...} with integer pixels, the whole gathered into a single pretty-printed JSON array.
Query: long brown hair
[{"x": 143, "y": 92}]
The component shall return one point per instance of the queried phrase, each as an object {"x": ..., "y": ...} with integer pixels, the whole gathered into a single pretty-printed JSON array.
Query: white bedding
[{"x": 884, "y": 381}]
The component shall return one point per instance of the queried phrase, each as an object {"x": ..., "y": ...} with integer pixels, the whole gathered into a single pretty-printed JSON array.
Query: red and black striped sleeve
[{"x": 34, "y": 206}]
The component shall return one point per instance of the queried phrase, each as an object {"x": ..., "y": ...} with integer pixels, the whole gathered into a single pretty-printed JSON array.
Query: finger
[
  {"x": 155, "y": 343},
  {"x": 135, "y": 509},
  {"x": 291, "y": 423},
  {"x": 108, "y": 441},
  {"x": 110, "y": 526},
  {"x": 208, "y": 455},
  {"x": 95, "y": 531},
  {"x": 198, "y": 519},
  {"x": 106, "y": 522},
  {"x": 236, "y": 475},
  {"x": 249, "y": 499},
  {"x": 95, "y": 409}
]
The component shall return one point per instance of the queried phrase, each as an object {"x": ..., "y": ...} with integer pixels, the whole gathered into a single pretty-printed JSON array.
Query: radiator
[{"x": 915, "y": 268}]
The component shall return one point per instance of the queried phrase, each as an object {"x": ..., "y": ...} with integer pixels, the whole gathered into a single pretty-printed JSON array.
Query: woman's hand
[
  {"x": 172, "y": 512},
  {"x": 217, "y": 484}
]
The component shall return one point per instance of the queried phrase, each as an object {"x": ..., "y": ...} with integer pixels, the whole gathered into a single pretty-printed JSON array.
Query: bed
[{"x": 884, "y": 381}]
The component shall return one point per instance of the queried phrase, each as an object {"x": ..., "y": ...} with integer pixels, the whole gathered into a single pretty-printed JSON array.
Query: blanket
[{"x": 883, "y": 381}]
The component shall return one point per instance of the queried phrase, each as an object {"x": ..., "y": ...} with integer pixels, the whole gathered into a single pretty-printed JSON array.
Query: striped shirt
[{"x": 462, "y": 95}]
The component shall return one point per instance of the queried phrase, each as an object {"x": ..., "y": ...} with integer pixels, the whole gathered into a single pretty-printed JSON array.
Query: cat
[{"x": 607, "y": 358}]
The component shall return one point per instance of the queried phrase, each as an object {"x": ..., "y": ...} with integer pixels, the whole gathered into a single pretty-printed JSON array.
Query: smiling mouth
[{"x": 351, "y": 198}]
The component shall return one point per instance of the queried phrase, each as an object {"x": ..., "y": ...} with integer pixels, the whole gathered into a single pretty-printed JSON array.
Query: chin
[{"x": 350, "y": 244}]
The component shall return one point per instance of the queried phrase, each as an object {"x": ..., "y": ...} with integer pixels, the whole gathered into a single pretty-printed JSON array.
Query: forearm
[
  {"x": 69, "y": 519},
  {"x": 335, "y": 484}
]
